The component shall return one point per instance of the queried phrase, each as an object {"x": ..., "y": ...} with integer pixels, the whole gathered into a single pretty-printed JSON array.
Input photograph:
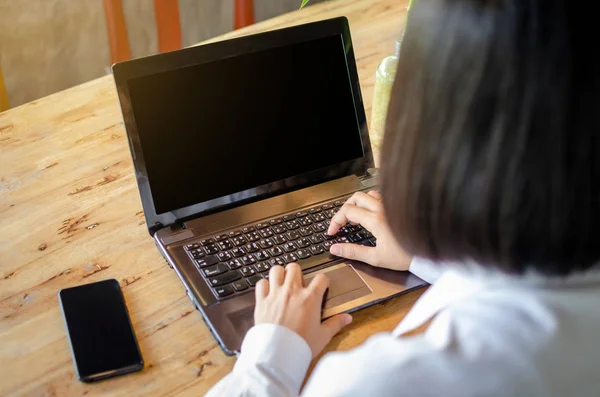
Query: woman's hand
[
  {"x": 284, "y": 300},
  {"x": 367, "y": 210}
]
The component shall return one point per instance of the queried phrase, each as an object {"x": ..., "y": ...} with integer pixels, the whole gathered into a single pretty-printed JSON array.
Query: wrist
[{"x": 278, "y": 348}]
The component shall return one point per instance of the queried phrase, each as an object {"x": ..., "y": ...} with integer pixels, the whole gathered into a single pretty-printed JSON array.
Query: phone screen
[{"x": 102, "y": 340}]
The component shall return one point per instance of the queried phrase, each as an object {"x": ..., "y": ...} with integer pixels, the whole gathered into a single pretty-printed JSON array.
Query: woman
[{"x": 490, "y": 182}]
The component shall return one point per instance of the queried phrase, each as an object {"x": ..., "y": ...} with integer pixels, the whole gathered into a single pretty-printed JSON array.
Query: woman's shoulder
[{"x": 501, "y": 340}]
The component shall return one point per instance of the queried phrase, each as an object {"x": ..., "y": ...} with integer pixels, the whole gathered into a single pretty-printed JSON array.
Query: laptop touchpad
[{"x": 345, "y": 285}]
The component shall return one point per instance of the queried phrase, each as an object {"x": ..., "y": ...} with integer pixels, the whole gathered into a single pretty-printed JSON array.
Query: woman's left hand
[{"x": 284, "y": 300}]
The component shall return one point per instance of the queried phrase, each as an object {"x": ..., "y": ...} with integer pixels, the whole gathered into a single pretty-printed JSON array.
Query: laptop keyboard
[{"x": 235, "y": 261}]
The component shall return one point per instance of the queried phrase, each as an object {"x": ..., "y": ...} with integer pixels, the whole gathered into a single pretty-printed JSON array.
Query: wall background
[{"x": 50, "y": 45}]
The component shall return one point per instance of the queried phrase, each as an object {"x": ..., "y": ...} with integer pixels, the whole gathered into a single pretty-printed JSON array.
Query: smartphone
[{"x": 100, "y": 333}]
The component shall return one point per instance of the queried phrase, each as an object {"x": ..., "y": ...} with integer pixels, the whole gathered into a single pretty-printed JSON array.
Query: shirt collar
[{"x": 461, "y": 281}]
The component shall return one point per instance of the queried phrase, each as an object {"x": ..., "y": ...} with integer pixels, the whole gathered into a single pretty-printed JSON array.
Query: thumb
[
  {"x": 353, "y": 251},
  {"x": 334, "y": 324}
]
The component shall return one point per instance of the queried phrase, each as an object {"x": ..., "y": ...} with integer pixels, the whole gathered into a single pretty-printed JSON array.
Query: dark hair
[{"x": 492, "y": 149}]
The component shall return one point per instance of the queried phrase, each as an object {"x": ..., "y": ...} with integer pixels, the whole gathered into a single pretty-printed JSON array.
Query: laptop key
[
  {"x": 261, "y": 255},
  {"x": 373, "y": 241},
  {"x": 328, "y": 237},
  {"x": 207, "y": 261},
  {"x": 305, "y": 231},
  {"x": 354, "y": 228},
  {"x": 192, "y": 246},
  {"x": 224, "y": 278},
  {"x": 327, "y": 244},
  {"x": 316, "y": 238},
  {"x": 317, "y": 249},
  {"x": 276, "y": 251},
  {"x": 319, "y": 227},
  {"x": 262, "y": 267},
  {"x": 238, "y": 241},
  {"x": 252, "y": 236},
  {"x": 224, "y": 256},
  {"x": 327, "y": 206},
  {"x": 235, "y": 233},
  {"x": 261, "y": 225},
  {"x": 342, "y": 240},
  {"x": 248, "y": 271},
  {"x": 288, "y": 258},
  {"x": 224, "y": 291},
  {"x": 320, "y": 217},
  {"x": 342, "y": 232},
  {"x": 267, "y": 232},
  {"x": 252, "y": 247},
  {"x": 278, "y": 229},
  {"x": 237, "y": 252},
  {"x": 290, "y": 247},
  {"x": 300, "y": 214},
  {"x": 339, "y": 203},
  {"x": 367, "y": 243},
  {"x": 215, "y": 270},
  {"x": 220, "y": 237},
  {"x": 302, "y": 254},
  {"x": 279, "y": 239},
  {"x": 240, "y": 285},
  {"x": 293, "y": 235},
  {"x": 314, "y": 210},
  {"x": 279, "y": 261},
  {"x": 291, "y": 225},
  {"x": 253, "y": 280},
  {"x": 355, "y": 238},
  {"x": 211, "y": 249},
  {"x": 235, "y": 264},
  {"x": 289, "y": 217},
  {"x": 208, "y": 241},
  {"x": 224, "y": 245},
  {"x": 274, "y": 222},
  {"x": 248, "y": 229},
  {"x": 248, "y": 260},
  {"x": 267, "y": 243},
  {"x": 305, "y": 221},
  {"x": 197, "y": 253},
  {"x": 303, "y": 242}
]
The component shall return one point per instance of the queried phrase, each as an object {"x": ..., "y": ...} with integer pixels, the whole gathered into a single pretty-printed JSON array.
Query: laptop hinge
[
  {"x": 177, "y": 226},
  {"x": 153, "y": 229}
]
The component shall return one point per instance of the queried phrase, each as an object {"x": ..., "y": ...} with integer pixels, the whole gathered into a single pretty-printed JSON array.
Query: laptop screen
[{"x": 222, "y": 127}]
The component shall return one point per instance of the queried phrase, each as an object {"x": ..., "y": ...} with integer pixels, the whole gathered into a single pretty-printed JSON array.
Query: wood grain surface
[{"x": 70, "y": 214}]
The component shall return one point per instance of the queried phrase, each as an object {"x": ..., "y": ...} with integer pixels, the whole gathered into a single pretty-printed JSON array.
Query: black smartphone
[{"x": 100, "y": 333}]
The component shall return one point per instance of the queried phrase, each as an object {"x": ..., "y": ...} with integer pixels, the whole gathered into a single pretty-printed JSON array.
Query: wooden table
[{"x": 70, "y": 214}]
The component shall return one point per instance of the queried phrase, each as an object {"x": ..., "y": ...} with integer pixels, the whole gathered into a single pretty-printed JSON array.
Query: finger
[
  {"x": 319, "y": 285},
  {"x": 293, "y": 275},
  {"x": 262, "y": 290},
  {"x": 375, "y": 194},
  {"x": 354, "y": 252},
  {"x": 335, "y": 324},
  {"x": 351, "y": 213},
  {"x": 365, "y": 201},
  {"x": 276, "y": 276}
]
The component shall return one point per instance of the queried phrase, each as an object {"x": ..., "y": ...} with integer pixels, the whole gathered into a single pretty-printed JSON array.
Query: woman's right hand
[{"x": 367, "y": 210}]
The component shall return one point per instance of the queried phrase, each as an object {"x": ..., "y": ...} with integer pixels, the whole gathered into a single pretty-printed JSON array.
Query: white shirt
[{"x": 492, "y": 335}]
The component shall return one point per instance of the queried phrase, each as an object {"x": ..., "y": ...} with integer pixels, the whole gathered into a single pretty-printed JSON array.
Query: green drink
[{"x": 384, "y": 79}]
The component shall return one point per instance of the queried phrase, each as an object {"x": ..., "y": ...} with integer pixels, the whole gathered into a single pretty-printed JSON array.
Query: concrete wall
[{"x": 49, "y": 45}]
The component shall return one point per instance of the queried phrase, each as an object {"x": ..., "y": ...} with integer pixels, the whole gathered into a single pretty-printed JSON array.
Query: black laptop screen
[{"x": 222, "y": 127}]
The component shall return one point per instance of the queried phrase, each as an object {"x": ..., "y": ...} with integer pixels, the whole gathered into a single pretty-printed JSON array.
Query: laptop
[{"x": 243, "y": 150}]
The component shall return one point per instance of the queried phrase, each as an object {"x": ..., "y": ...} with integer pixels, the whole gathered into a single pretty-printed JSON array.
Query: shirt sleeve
[
  {"x": 426, "y": 270},
  {"x": 273, "y": 362}
]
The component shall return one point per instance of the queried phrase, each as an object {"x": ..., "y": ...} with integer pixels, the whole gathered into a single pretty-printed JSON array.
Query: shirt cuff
[
  {"x": 276, "y": 348},
  {"x": 426, "y": 269}
]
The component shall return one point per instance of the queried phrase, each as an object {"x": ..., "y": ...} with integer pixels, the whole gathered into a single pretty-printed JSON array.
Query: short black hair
[{"x": 492, "y": 145}]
